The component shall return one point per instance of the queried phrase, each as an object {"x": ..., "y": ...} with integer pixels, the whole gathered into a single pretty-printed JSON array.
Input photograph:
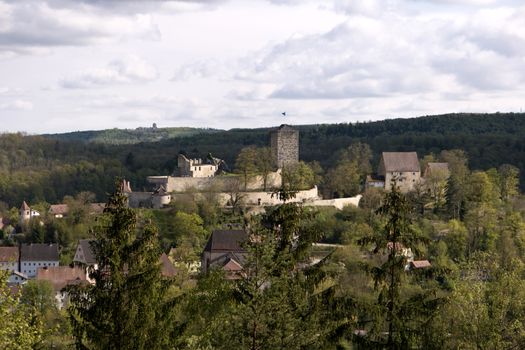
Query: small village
[{"x": 224, "y": 249}]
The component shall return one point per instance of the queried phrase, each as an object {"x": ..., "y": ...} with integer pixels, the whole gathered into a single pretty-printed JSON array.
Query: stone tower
[
  {"x": 285, "y": 146},
  {"x": 25, "y": 213}
]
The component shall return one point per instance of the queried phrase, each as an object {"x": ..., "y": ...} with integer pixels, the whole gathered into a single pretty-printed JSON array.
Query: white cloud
[
  {"x": 372, "y": 55},
  {"x": 33, "y": 24},
  {"x": 129, "y": 70},
  {"x": 17, "y": 105}
]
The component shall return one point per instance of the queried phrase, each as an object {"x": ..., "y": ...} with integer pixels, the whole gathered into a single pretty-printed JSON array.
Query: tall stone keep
[{"x": 285, "y": 146}]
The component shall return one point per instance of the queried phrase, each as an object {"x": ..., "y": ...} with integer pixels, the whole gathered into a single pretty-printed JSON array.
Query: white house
[{"x": 35, "y": 255}]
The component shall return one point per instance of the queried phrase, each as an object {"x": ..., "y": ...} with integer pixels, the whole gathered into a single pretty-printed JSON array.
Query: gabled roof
[
  {"x": 39, "y": 252},
  {"x": 25, "y": 206},
  {"x": 160, "y": 191},
  {"x": 85, "y": 245},
  {"x": 400, "y": 161},
  {"x": 8, "y": 254},
  {"x": 58, "y": 209},
  {"x": 226, "y": 240},
  {"x": 61, "y": 276},
  {"x": 232, "y": 265},
  {"x": 19, "y": 274}
]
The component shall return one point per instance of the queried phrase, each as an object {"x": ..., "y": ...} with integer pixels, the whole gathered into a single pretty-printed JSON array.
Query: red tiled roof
[
  {"x": 25, "y": 206},
  {"x": 421, "y": 264},
  {"x": 58, "y": 209},
  {"x": 9, "y": 254},
  {"x": 61, "y": 276}
]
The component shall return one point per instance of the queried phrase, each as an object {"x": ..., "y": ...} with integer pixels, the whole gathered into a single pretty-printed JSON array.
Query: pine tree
[
  {"x": 127, "y": 307},
  {"x": 280, "y": 301},
  {"x": 401, "y": 313}
]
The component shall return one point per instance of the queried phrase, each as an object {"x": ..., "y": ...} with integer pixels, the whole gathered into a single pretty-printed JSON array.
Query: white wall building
[{"x": 37, "y": 255}]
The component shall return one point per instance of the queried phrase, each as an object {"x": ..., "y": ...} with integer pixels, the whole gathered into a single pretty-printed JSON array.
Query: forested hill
[
  {"x": 46, "y": 168},
  {"x": 128, "y": 136}
]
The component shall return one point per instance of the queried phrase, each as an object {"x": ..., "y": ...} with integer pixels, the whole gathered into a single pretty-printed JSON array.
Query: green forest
[{"x": 47, "y": 168}]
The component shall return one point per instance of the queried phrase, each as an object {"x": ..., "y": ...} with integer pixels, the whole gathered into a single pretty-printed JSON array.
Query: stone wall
[
  {"x": 139, "y": 199},
  {"x": 338, "y": 203},
  {"x": 260, "y": 198},
  {"x": 218, "y": 183}
]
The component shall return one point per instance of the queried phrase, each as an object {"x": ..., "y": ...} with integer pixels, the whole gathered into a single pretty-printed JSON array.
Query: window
[{"x": 413, "y": 173}]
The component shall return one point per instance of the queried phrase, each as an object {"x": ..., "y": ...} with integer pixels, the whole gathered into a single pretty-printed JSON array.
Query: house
[
  {"x": 9, "y": 258},
  {"x": 35, "y": 255},
  {"x": 420, "y": 264},
  {"x": 60, "y": 277},
  {"x": 58, "y": 210},
  {"x": 401, "y": 167},
  {"x": 85, "y": 257},
  {"x": 61, "y": 210},
  {"x": 195, "y": 167},
  {"x": 225, "y": 250},
  {"x": 17, "y": 278},
  {"x": 84, "y": 254}
]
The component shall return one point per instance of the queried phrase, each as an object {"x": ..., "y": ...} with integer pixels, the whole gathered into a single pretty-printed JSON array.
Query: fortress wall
[
  {"x": 218, "y": 183},
  {"x": 339, "y": 203},
  {"x": 266, "y": 198}
]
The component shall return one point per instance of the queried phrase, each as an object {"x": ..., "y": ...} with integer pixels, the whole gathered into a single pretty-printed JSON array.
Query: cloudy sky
[{"x": 68, "y": 65}]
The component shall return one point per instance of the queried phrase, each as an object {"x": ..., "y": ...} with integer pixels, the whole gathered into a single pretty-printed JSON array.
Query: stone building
[
  {"x": 195, "y": 167},
  {"x": 285, "y": 146},
  {"x": 403, "y": 167}
]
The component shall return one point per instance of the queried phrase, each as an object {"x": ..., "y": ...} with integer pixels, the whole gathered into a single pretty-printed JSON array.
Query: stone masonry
[{"x": 285, "y": 146}]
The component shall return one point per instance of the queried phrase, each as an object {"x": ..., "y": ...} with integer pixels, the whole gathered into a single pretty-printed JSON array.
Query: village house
[
  {"x": 10, "y": 261},
  {"x": 61, "y": 277},
  {"x": 85, "y": 258},
  {"x": 59, "y": 211},
  {"x": 225, "y": 250},
  {"x": 35, "y": 255},
  {"x": 401, "y": 167}
]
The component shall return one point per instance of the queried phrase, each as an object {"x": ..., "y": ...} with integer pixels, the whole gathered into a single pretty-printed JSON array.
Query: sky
[{"x": 68, "y": 65}]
